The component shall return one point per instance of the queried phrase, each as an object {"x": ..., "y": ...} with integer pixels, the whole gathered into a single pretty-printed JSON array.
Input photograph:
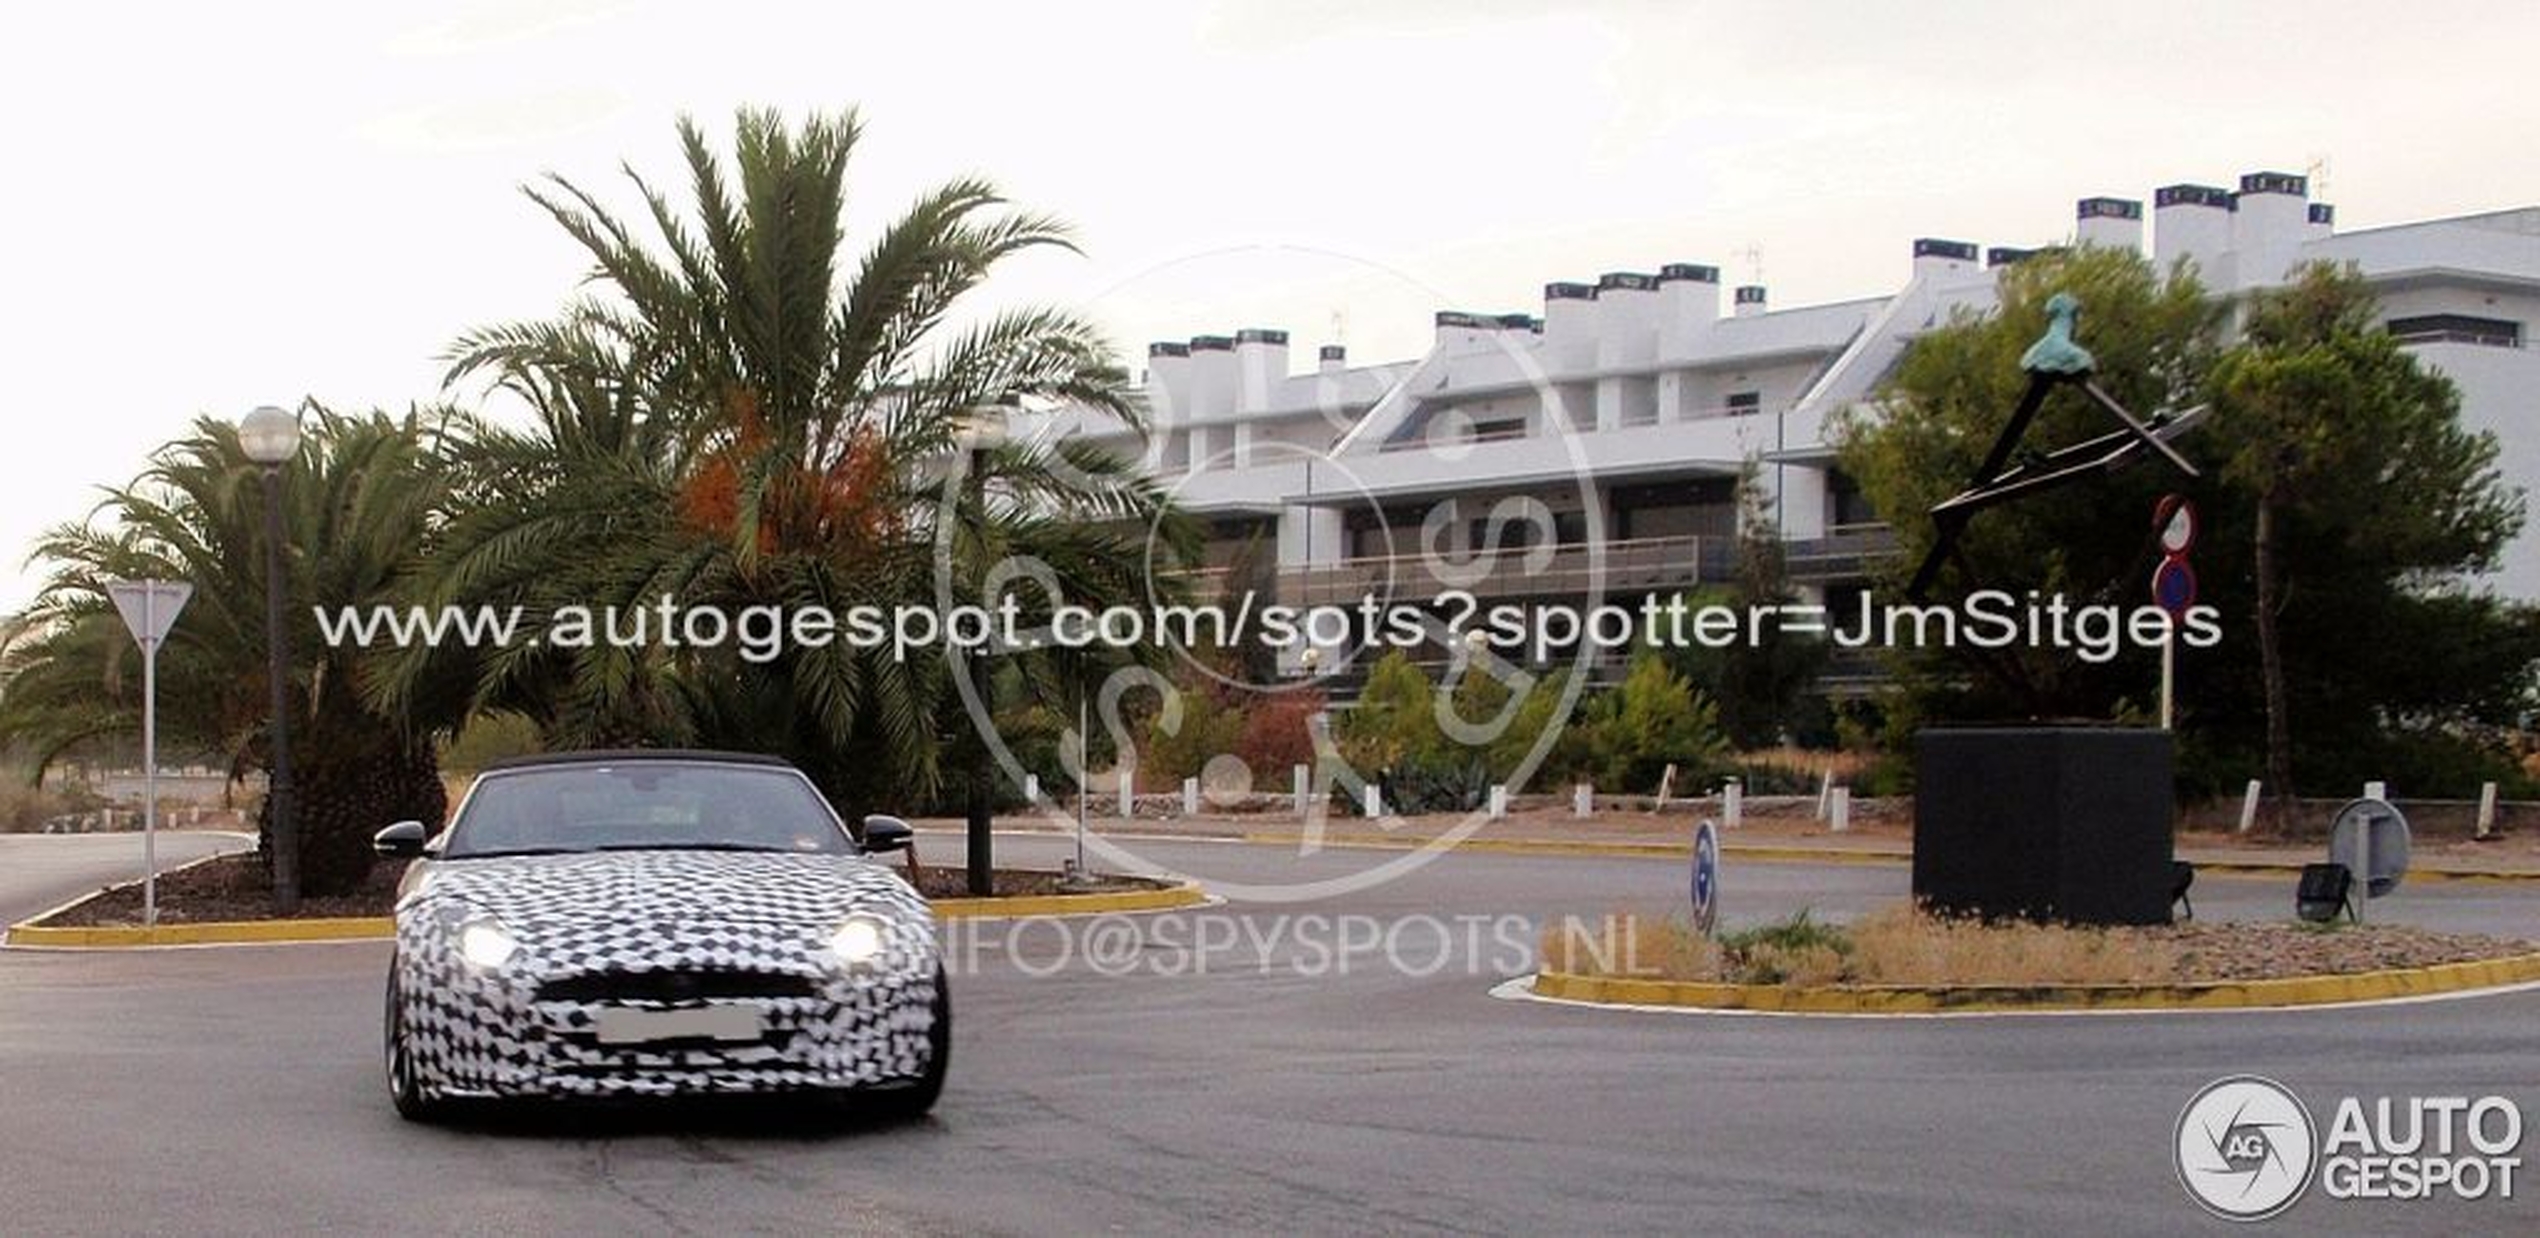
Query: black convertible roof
[{"x": 620, "y": 756}]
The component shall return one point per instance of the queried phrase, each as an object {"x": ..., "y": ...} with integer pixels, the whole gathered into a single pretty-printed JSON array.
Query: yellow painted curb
[
  {"x": 1160, "y": 898},
  {"x": 2272, "y": 868},
  {"x": 209, "y": 932},
  {"x": 1918, "y": 999},
  {"x": 1777, "y": 853},
  {"x": 1766, "y": 852},
  {"x": 380, "y": 928}
]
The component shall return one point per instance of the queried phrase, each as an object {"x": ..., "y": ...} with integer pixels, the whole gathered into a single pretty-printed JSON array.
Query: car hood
[{"x": 734, "y": 887}]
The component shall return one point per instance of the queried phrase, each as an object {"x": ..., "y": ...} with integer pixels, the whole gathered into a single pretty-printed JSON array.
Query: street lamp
[
  {"x": 982, "y": 431},
  {"x": 271, "y": 437}
]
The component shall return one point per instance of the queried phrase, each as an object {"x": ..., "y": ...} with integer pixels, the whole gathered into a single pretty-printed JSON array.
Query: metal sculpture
[{"x": 2056, "y": 359}]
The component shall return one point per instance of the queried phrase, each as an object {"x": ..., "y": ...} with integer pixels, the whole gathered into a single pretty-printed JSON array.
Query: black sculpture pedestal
[{"x": 2069, "y": 824}]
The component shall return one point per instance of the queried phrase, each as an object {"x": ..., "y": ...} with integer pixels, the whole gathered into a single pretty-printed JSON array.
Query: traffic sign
[
  {"x": 2174, "y": 586},
  {"x": 149, "y": 608},
  {"x": 2175, "y": 517},
  {"x": 1706, "y": 876}
]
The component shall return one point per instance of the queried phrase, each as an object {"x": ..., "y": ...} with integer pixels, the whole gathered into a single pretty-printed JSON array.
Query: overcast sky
[{"x": 214, "y": 206}]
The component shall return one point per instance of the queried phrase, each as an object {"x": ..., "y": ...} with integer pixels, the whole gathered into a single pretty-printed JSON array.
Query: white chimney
[
  {"x": 1627, "y": 313},
  {"x": 2193, "y": 222},
  {"x": 1261, "y": 359},
  {"x": 1169, "y": 382},
  {"x": 2269, "y": 221},
  {"x": 1331, "y": 359},
  {"x": 1460, "y": 332},
  {"x": 1214, "y": 382},
  {"x": 1749, "y": 301},
  {"x": 1569, "y": 326},
  {"x": 2110, "y": 223},
  {"x": 2321, "y": 223},
  {"x": 1936, "y": 257},
  {"x": 1688, "y": 303}
]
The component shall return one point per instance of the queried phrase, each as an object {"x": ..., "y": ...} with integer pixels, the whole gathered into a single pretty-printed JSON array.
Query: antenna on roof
[
  {"x": 1340, "y": 326},
  {"x": 1754, "y": 255},
  {"x": 2317, "y": 173}
]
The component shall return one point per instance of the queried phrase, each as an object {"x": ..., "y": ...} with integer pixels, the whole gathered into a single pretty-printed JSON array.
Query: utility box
[{"x": 2068, "y": 824}]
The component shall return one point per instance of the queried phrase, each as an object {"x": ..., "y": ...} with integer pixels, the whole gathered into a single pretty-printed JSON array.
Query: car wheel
[
  {"x": 914, "y": 1102},
  {"x": 405, "y": 1090}
]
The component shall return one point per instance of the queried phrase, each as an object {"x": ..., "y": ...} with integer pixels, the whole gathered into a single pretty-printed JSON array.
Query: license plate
[{"x": 629, "y": 1025}]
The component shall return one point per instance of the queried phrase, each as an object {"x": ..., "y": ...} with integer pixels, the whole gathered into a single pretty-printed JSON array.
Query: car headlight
[
  {"x": 486, "y": 944},
  {"x": 857, "y": 941}
]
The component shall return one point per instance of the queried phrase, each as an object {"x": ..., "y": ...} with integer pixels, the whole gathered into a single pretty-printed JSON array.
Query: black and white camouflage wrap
[{"x": 682, "y": 929}]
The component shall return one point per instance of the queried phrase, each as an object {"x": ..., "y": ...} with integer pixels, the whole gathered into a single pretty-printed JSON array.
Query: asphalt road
[
  {"x": 1326, "y": 1066},
  {"x": 41, "y": 871}
]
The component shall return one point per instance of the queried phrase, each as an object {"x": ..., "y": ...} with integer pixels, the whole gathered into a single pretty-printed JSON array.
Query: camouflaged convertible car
[{"x": 659, "y": 923}]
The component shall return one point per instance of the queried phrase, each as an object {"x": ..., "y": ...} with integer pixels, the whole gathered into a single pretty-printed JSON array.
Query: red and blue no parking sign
[
  {"x": 2174, "y": 582},
  {"x": 2174, "y": 586}
]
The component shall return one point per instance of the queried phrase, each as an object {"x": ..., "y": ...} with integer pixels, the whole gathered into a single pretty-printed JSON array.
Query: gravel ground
[{"x": 2258, "y": 951}]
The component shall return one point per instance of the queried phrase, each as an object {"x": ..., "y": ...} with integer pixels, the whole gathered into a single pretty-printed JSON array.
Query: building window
[
  {"x": 1701, "y": 507},
  {"x": 1846, "y": 504},
  {"x": 1568, "y": 529},
  {"x": 2457, "y": 329},
  {"x": 1499, "y": 431},
  {"x": 1743, "y": 402}
]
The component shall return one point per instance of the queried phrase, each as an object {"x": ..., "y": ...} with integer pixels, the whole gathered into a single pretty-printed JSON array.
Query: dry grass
[
  {"x": 1901, "y": 945},
  {"x": 1624, "y": 944},
  {"x": 1898, "y": 945}
]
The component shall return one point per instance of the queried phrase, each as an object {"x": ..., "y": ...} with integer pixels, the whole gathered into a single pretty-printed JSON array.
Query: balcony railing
[
  {"x": 1629, "y": 567},
  {"x": 1565, "y": 571}
]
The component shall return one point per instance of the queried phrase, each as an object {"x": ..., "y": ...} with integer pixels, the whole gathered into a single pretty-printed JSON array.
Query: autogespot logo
[{"x": 2244, "y": 1148}]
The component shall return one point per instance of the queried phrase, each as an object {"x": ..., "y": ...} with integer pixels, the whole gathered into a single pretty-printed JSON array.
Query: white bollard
[
  {"x": 1190, "y": 797},
  {"x": 1583, "y": 800},
  {"x": 1128, "y": 793},
  {"x": 1498, "y": 802},
  {"x": 1303, "y": 801},
  {"x": 2486, "y": 810},
  {"x": 1825, "y": 794},
  {"x": 2376, "y": 790},
  {"x": 1732, "y": 803},
  {"x": 1374, "y": 802},
  {"x": 2249, "y": 806},
  {"x": 1031, "y": 788},
  {"x": 1839, "y": 810}
]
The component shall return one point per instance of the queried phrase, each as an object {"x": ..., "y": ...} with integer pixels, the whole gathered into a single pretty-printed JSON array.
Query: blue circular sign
[
  {"x": 1706, "y": 876},
  {"x": 2174, "y": 586}
]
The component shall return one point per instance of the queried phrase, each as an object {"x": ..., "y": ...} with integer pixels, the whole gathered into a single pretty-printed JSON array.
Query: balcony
[
  {"x": 1629, "y": 568},
  {"x": 1624, "y": 567},
  {"x": 1850, "y": 552}
]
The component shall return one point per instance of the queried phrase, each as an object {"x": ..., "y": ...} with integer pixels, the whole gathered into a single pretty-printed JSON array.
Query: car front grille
[{"x": 675, "y": 986}]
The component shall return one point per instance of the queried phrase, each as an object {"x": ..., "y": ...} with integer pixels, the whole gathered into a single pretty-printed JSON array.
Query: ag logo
[{"x": 2244, "y": 1148}]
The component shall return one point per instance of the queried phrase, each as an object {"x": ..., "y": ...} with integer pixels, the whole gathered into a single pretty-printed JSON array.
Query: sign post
[
  {"x": 2173, "y": 586},
  {"x": 1706, "y": 876},
  {"x": 149, "y": 608}
]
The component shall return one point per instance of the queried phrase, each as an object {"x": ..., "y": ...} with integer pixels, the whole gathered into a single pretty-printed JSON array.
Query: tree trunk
[
  {"x": 982, "y": 837},
  {"x": 2271, "y": 672},
  {"x": 342, "y": 801}
]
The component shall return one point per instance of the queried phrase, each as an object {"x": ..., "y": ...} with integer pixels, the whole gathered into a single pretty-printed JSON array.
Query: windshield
[{"x": 645, "y": 805}]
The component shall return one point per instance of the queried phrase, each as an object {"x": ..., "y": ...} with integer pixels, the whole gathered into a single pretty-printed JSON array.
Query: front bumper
[{"x": 527, "y": 1031}]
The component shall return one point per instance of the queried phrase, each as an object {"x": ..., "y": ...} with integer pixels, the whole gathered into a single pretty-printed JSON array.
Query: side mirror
[
  {"x": 403, "y": 840},
  {"x": 884, "y": 832}
]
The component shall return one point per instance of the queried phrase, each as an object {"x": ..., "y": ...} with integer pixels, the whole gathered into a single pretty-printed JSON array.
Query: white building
[{"x": 1620, "y": 414}]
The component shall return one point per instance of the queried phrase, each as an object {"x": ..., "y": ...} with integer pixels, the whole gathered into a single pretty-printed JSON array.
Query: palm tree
[
  {"x": 741, "y": 414},
  {"x": 358, "y": 505}
]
